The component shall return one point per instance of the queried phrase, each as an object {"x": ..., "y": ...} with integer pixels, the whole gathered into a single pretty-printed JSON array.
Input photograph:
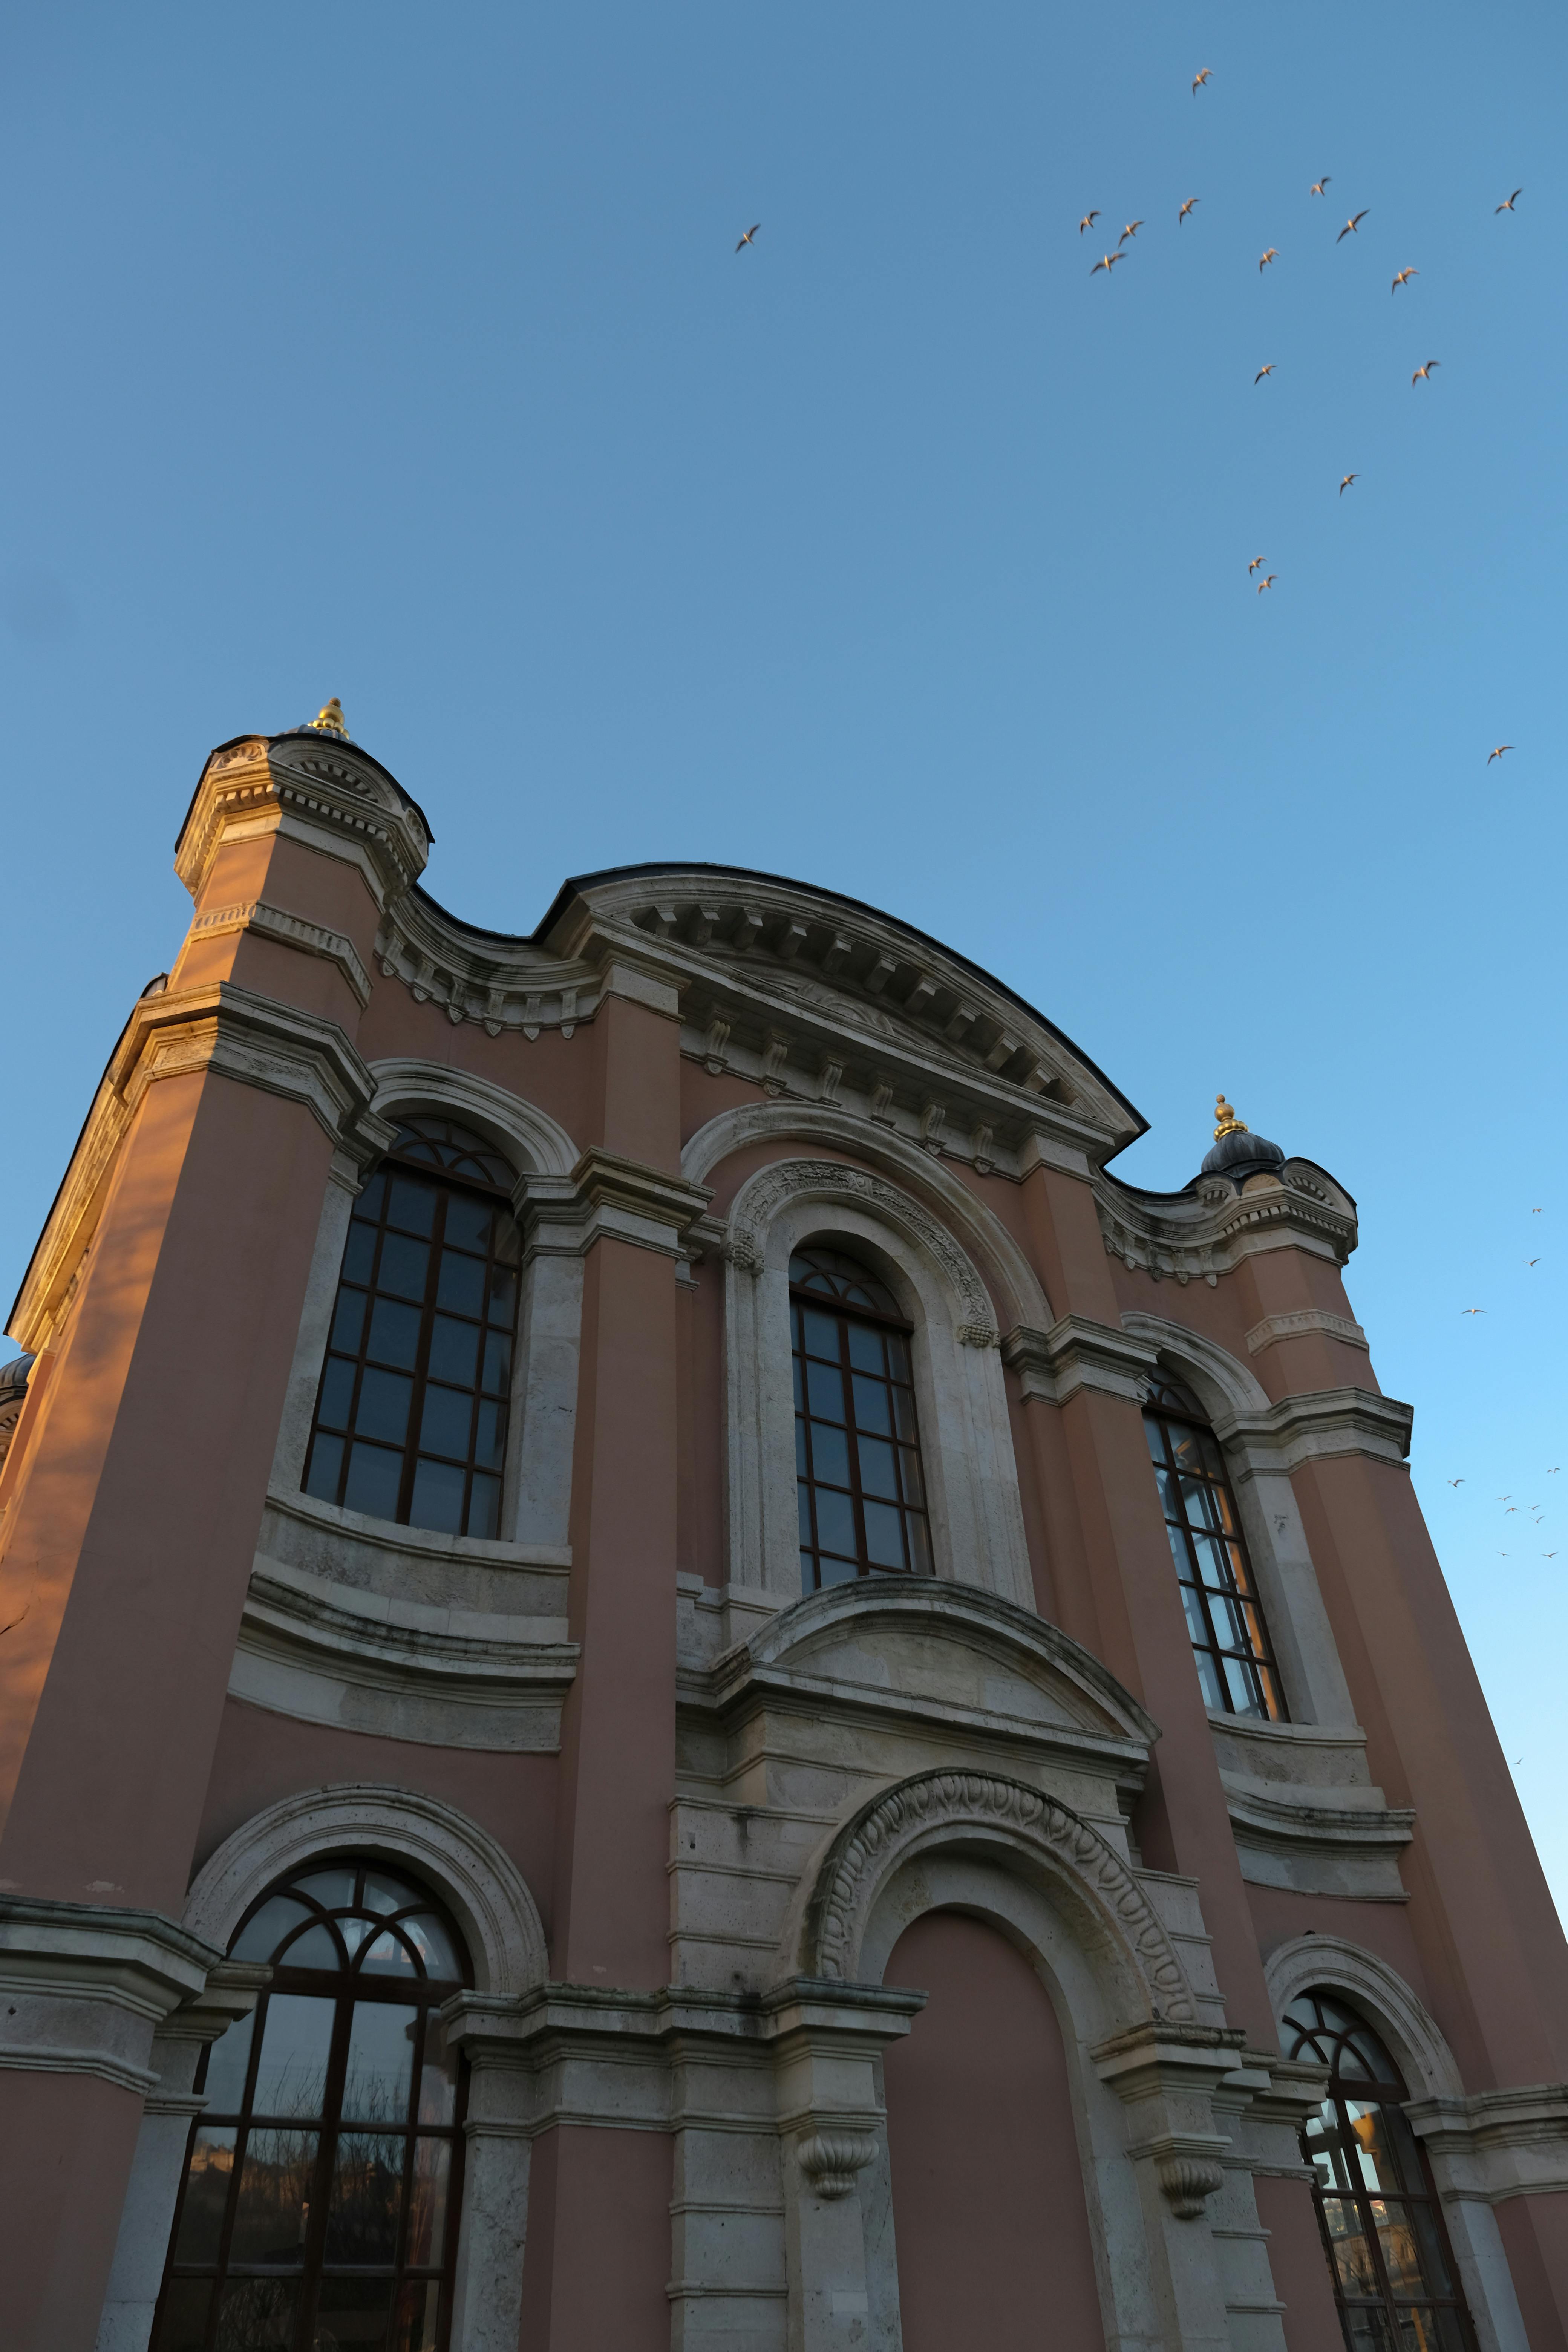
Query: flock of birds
[
  {"x": 1511, "y": 1508},
  {"x": 1402, "y": 279}
]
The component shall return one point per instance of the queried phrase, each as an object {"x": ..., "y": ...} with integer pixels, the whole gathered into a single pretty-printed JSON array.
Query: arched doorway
[{"x": 989, "y": 2214}]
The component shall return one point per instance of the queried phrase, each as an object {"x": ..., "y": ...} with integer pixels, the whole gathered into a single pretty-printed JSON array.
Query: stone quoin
[{"x": 671, "y": 1676}]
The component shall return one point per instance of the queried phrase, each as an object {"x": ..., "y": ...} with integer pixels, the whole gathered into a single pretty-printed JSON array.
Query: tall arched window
[
  {"x": 857, "y": 1449},
  {"x": 1230, "y": 1640},
  {"x": 411, "y": 1416},
  {"x": 320, "y": 2203},
  {"x": 1394, "y": 2280}
]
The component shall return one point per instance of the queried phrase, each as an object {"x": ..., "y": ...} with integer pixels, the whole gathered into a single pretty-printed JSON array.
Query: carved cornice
[
  {"x": 1209, "y": 1231},
  {"x": 329, "y": 794},
  {"x": 1077, "y": 1353},
  {"x": 943, "y": 1807},
  {"x": 103, "y": 1974},
  {"x": 178, "y": 1033},
  {"x": 1497, "y": 2144},
  {"x": 291, "y": 930},
  {"x": 607, "y": 1196},
  {"x": 502, "y": 984}
]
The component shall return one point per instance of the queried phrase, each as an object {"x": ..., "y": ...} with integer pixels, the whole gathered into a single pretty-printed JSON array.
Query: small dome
[
  {"x": 14, "y": 1378},
  {"x": 1236, "y": 1152}
]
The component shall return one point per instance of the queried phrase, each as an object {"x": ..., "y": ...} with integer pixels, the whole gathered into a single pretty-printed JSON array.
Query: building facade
[{"x": 670, "y": 1676}]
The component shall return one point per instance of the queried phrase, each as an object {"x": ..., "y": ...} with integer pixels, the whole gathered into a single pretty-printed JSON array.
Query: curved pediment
[{"x": 929, "y": 1644}]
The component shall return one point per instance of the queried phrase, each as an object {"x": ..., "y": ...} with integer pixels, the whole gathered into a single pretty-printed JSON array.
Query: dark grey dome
[
  {"x": 1236, "y": 1152},
  {"x": 14, "y": 1378}
]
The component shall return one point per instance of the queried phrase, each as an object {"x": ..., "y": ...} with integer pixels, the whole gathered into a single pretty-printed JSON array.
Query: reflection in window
[
  {"x": 319, "y": 2201},
  {"x": 410, "y": 1415},
  {"x": 1382, "y": 2227},
  {"x": 1230, "y": 1640},
  {"x": 858, "y": 1458}
]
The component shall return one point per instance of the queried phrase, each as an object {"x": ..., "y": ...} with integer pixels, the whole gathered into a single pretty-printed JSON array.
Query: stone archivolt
[{"x": 939, "y": 1807}]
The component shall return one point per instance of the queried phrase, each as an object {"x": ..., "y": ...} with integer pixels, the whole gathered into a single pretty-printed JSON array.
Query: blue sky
[{"x": 405, "y": 355}]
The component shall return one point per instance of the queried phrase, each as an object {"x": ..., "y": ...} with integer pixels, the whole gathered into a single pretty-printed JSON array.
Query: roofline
[
  {"x": 284, "y": 734},
  {"x": 580, "y": 883}
]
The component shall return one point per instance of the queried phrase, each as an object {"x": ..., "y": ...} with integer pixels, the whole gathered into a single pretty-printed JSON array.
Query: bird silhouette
[
  {"x": 1108, "y": 262},
  {"x": 750, "y": 235},
  {"x": 1088, "y": 222},
  {"x": 1199, "y": 80},
  {"x": 1256, "y": 565},
  {"x": 1425, "y": 371},
  {"x": 1351, "y": 224},
  {"x": 1533, "y": 1261},
  {"x": 1456, "y": 1481},
  {"x": 1318, "y": 186},
  {"x": 1495, "y": 753},
  {"x": 1507, "y": 205},
  {"x": 1346, "y": 483},
  {"x": 1263, "y": 372},
  {"x": 1402, "y": 278},
  {"x": 1131, "y": 229},
  {"x": 1186, "y": 208},
  {"x": 1475, "y": 1310},
  {"x": 1268, "y": 256},
  {"x": 1269, "y": 583}
]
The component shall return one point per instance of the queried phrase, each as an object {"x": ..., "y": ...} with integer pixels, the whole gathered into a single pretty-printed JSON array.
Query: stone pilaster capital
[
  {"x": 1079, "y": 1354},
  {"x": 87, "y": 1984},
  {"x": 1318, "y": 1424},
  {"x": 310, "y": 787},
  {"x": 608, "y": 1195}
]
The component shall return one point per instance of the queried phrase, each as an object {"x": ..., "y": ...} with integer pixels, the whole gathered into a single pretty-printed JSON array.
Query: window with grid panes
[
  {"x": 319, "y": 2207},
  {"x": 412, "y": 1412},
  {"x": 857, "y": 1452},
  {"x": 1230, "y": 1642},
  {"x": 1394, "y": 2280}
]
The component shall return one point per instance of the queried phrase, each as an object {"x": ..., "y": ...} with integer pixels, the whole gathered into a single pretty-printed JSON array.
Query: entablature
[{"x": 1208, "y": 1230}]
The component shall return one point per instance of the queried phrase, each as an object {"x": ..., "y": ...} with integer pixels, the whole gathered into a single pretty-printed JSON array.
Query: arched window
[
  {"x": 411, "y": 1416},
  {"x": 1394, "y": 2280},
  {"x": 1230, "y": 1640},
  {"x": 320, "y": 2203},
  {"x": 858, "y": 1451}
]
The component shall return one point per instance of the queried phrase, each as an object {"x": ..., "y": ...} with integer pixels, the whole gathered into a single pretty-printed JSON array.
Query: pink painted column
[{"x": 165, "y": 1296}]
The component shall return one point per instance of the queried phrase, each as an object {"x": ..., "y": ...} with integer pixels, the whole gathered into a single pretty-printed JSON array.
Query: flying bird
[
  {"x": 1346, "y": 483},
  {"x": 1511, "y": 1512},
  {"x": 1268, "y": 256},
  {"x": 1269, "y": 583},
  {"x": 1088, "y": 222},
  {"x": 1533, "y": 1261},
  {"x": 750, "y": 235},
  {"x": 1425, "y": 371},
  {"x": 1507, "y": 207},
  {"x": 1402, "y": 278},
  {"x": 1186, "y": 208},
  {"x": 1477, "y": 1310},
  {"x": 1545, "y": 1555},
  {"x": 1256, "y": 565},
  {"x": 1354, "y": 222},
  {"x": 1199, "y": 80},
  {"x": 1502, "y": 1498},
  {"x": 1131, "y": 229},
  {"x": 1108, "y": 262},
  {"x": 1456, "y": 1481},
  {"x": 1263, "y": 372},
  {"x": 1498, "y": 750},
  {"x": 1318, "y": 186}
]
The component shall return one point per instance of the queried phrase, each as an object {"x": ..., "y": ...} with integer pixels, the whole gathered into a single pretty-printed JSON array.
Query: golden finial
[
  {"x": 330, "y": 719},
  {"x": 1228, "y": 1122}
]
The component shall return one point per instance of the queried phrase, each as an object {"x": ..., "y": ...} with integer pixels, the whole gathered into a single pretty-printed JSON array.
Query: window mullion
[
  {"x": 852, "y": 1447},
  {"x": 422, "y": 1359}
]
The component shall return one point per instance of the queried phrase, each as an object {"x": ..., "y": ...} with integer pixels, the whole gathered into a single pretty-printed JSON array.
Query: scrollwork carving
[
  {"x": 767, "y": 1193},
  {"x": 830, "y": 2159}
]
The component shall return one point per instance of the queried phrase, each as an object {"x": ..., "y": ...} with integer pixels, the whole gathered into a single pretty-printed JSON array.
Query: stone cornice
[
  {"x": 1078, "y": 1353},
  {"x": 1209, "y": 1231},
  {"x": 1313, "y": 1427},
  {"x": 1305, "y": 1322},
  {"x": 106, "y": 1974},
  {"x": 178, "y": 1033},
  {"x": 1498, "y": 2144},
  {"x": 316, "y": 789},
  {"x": 608, "y": 1196},
  {"x": 291, "y": 930}
]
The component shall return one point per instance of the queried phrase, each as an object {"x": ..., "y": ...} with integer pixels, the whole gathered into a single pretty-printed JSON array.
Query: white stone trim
[
  {"x": 1303, "y": 1323},
  {"x": 966, "y": 1442},
  {"x": 519, "y": 1130},
  {"x": 480, "y": 1883},
  {"x": 291, "y": 930},
  {"x": 1464, "y": 2167}
]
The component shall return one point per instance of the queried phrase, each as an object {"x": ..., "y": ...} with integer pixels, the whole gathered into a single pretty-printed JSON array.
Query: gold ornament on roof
[
  {"x": 330, "y": 719},
  {"x": 1228, "y": 1122}
]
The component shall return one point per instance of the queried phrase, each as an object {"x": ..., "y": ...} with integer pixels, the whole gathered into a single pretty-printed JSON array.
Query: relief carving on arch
[
  {"x": 914, "y": 1814},
  {"x": 760, "y": 1199}
]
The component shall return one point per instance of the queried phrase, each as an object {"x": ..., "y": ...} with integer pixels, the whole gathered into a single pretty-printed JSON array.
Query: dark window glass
[
  {"x": 1230, "y": 1642},
  {"x": 321, "y": 2182},
  {"x": 861, "y": 1491},
  {"x": 422, "y": 1331},
  {"x": 1394, "y": 2273}
]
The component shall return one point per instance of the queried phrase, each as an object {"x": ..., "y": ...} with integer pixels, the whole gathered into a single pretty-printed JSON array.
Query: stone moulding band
[
  {"x": 292, "y": 930},
  {"x": 936, "y": 1807}
]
